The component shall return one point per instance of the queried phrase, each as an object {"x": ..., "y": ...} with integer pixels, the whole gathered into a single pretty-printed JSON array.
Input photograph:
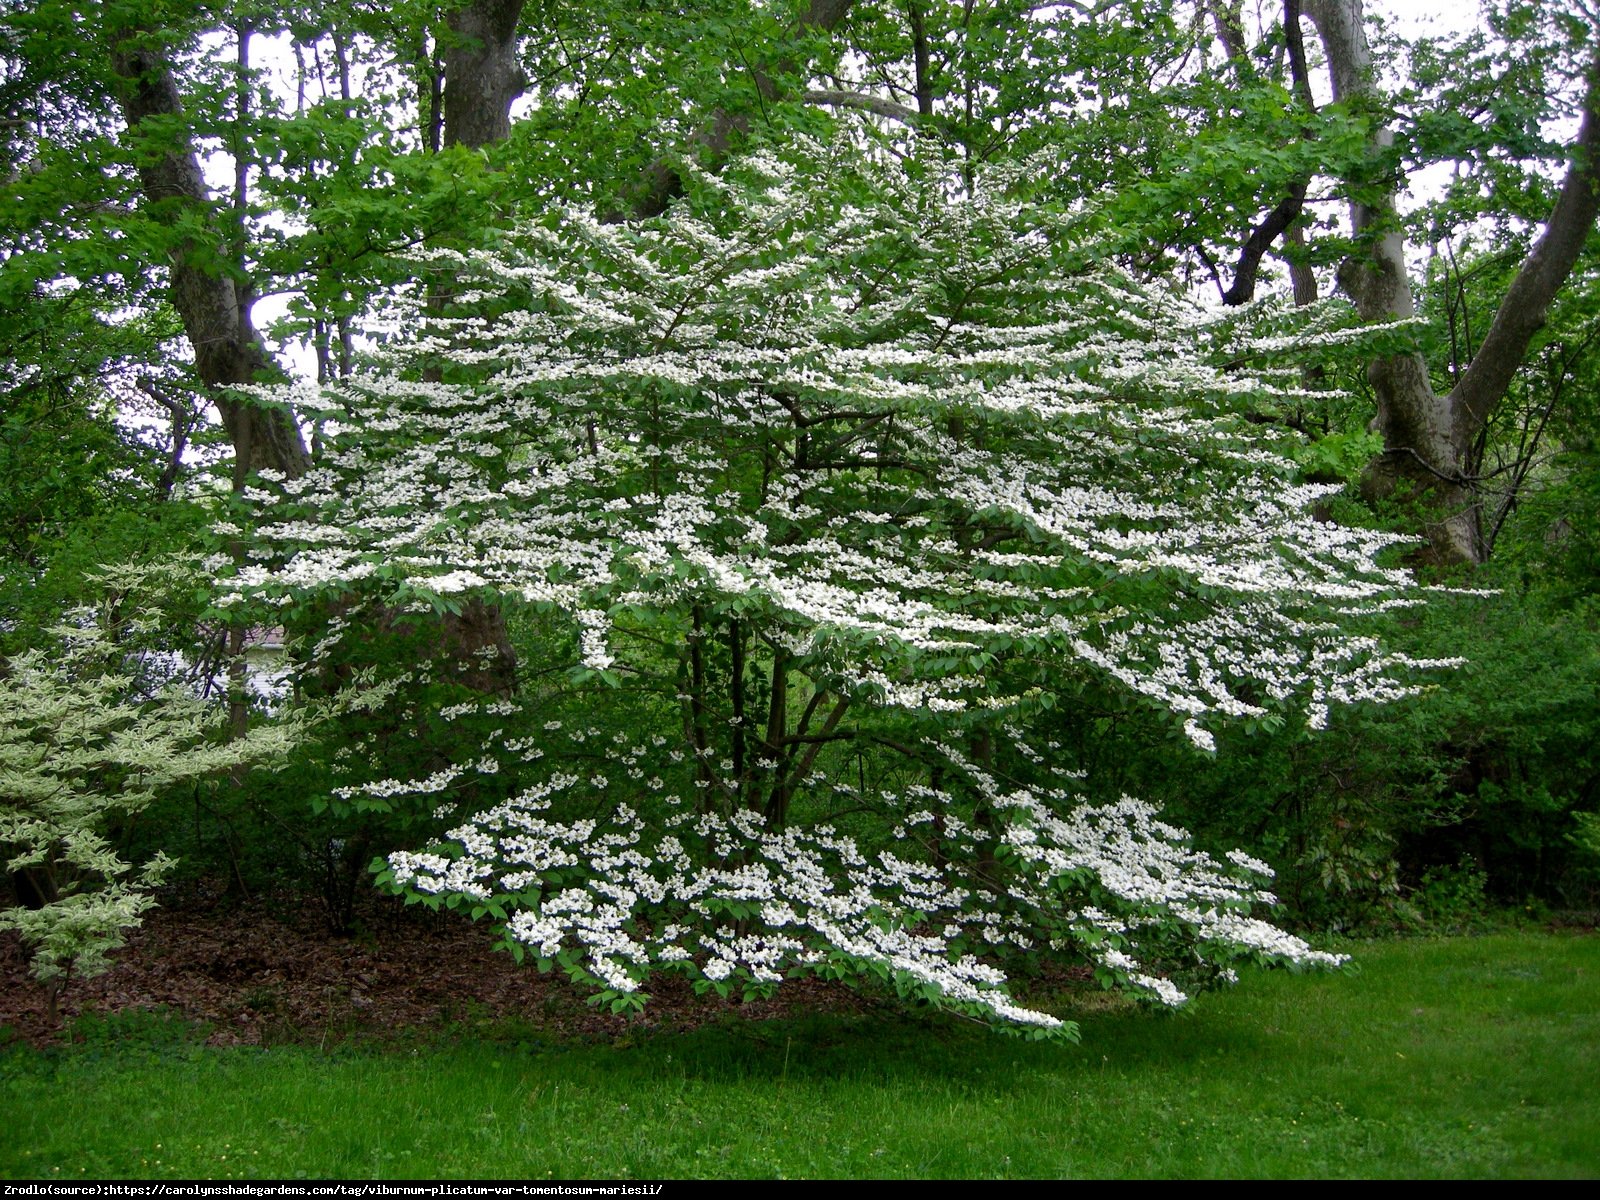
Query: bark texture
[
  {"x": 211, "y": 296},
  {"x": 481, "y": 73}
]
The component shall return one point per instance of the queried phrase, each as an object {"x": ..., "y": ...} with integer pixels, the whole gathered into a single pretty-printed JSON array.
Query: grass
[{"x": 1472, "y": 1057}]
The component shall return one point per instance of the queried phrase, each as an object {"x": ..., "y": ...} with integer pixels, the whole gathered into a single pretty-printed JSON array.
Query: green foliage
[
  {"x": 55, "y": 462},
  {"x": 1484, "y": 101},
  {"x": 1585, "y": 837},
  {"x": 75, "y": 448},
  {"x": 1452, "y": 898},
  {"x": 1338, "y": 457},
  {"x": 1364, "y": 821},
  {"x": 1171, "y": 148}
]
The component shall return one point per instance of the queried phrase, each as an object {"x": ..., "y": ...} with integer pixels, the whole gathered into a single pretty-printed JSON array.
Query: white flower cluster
[
  {"x": 730, "y": 896},
  {"x": 877, "y": 469}
]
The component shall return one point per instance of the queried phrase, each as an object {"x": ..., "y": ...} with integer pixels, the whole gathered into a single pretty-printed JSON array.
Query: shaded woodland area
[{"x": 740, "y": 501}]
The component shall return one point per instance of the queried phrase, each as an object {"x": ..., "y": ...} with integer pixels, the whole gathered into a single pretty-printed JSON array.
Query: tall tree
[
  {"x": 209, "y": 287},
  {"x": 1428, "y": 436}
]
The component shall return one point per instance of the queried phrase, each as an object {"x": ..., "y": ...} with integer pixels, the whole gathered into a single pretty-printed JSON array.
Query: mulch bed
[{"x": 252, "y": 974}]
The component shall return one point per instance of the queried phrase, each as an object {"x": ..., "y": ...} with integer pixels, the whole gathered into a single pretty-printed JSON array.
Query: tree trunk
[
  {"x": 1419, "y": 461},
  {"x": 213, "y": 305},
  {"x": 1427, "y": 437},
  {"x": 481, "y": 73},
  {"x": 1551, "y": 260},
  {"x": 482, "y": 78}
]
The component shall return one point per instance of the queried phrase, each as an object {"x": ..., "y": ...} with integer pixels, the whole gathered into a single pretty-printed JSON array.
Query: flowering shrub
[
  {"x": 820, "y": 488},
  {"x": 91, "y": 731}
]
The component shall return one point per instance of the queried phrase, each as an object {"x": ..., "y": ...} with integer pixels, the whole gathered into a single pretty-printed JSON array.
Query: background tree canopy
[{"x": 848, "y": 442}]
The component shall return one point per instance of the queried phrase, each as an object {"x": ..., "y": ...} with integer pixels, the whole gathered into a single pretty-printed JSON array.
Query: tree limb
[
  {"x": 181, "y": 420},
  {"x": 1260, "y": 241},
  {"x": 1287, "y": 211},
  {"x": 1230, "y": 30},
  {"x": 660, "y": 183},
  {"x": 920, "y": 58},
  {"x": 877, "y": 105},
  {"x": 1527, "y": 301}
]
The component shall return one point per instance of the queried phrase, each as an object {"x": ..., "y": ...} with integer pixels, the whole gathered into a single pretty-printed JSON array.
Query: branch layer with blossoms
[{"x": 823, "y": 489}]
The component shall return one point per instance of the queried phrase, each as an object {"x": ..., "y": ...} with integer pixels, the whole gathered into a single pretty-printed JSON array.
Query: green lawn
[{"x": 1459, "y": 1057}]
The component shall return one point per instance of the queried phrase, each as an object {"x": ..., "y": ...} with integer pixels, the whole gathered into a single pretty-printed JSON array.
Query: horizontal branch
[
  {"x": 812, "y": 739},
  {"x": 864, "y": 101},
  {"x": 855, "y": 464},
  {"x": 1260, "y": 241},
  {"x": 802, "y": 421}
]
